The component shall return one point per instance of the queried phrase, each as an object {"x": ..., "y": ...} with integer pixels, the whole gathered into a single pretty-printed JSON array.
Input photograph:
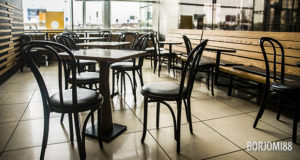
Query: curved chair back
[
  {"x": 52, "y": 48},
  {"x": 187, "y": 43},
  {"x": 72, "y": 35},
  {"x": 155, "y": 44},
  {"x": 190, "y": 69},
  {"x": 141, "y": 45},
  {"x": 275, "y": 44},
  {"x": 129, "y": 37},
  {"x": 66, "y": 41},
  {"x": 106, "y": 34}
]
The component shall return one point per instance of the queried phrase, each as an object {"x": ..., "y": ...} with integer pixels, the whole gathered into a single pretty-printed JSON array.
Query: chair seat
[
  {"x": 162, "y": 89},
  {"x": 122, "y": 66},
  {"x": 87, "y": 62},
  {"x": 207, "y": 64},
  {"x": 286, "y": 86},
  {"x": 86, "y": 99},
  {"x": 87, "y": 76}
]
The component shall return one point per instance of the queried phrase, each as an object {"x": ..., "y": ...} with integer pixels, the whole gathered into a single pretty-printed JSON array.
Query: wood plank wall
[
  {"x": 246, "y": 43},
  {"x": 11, "y": 30}
]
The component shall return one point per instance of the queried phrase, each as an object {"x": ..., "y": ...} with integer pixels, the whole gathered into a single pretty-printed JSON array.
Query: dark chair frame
[
  {"x": 106, "y": 34},
  {"x": 207, "y": 68},
  {"x": 269, "y": 90},
  {"x": 47, "y": 106},
  {"x": 140, "y": 44},
  {"x": 185, "y": 91}
]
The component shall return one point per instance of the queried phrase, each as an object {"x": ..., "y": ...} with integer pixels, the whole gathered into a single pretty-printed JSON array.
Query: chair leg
[
  {"x": 207, "y": 79},
  {"x": 157, "y": 114},
  {"x": 71, "y": 127},
  {"x": 178, "y": 125},
  {"x": 295, "y": 122},
  {"x": 141, "y": 77},
  {"x": 62, "y": 117},
  {"x": 145, "y": 119},
  {"x": 212, "y": 81},
  {"x": 279, "y": 108},
  {"x": 187, "y": 105},
  {"x": 78, "y": 136},
  {"x": 45, "y": 135},
  {"x": 134, "y": 84},
  {"x": 229, "y": 91},
  {"x": 262, "y": 109}
]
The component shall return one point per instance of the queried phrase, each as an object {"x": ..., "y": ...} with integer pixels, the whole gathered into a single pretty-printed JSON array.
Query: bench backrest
[{"x": 246, "y": 43}]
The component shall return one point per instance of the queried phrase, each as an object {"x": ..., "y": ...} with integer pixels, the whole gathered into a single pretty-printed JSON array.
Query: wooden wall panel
[
  {"x": 12, "y": 28},
  {"x": 246, "y": 43}
]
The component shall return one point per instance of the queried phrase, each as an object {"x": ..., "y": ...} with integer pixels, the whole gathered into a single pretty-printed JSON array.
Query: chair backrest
[
  {"x": 106, "y": 34},
  {"x": 275, "y": 45},
  {"x": 52, "y": 47},
  {"x": 66, "y": 41},
  {"x": 187, "y": 43},
  {"x": 141, "y": 44},
  {"x": 128, "y": 37},
  {"x": 72, "y": 35},
  {"x": 155, "y": 44},
  {"x": 190, "y": 68}
]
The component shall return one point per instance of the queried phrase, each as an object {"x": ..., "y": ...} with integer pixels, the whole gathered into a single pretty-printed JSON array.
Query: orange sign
[{"x": 54, "y": 20}]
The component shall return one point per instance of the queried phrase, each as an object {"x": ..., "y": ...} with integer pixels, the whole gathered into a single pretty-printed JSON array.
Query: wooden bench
[{"x": 248, "y": 51}]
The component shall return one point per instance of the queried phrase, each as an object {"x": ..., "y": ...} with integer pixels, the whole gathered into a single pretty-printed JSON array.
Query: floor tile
[
  {"x": 165, "y": 118},
  {"x": 15, "y": 97},
  {"x": 234, "y": 156},
  {"x": 239, "y": 130},
  {"x": 30, "y": 133},
  {"x": 18, "y": 87},
  {"x": 211, "y": 109},
  {"x": 240, "y": 104},
  {"x": 35, "y": 110},
  {"x": 203, "y": 143},
  {"x": 125, "y": 147},
  {"x": 12, "y": 112},
  {"x": 6, "y": 132},
  {"x": 285, "y": 124}
]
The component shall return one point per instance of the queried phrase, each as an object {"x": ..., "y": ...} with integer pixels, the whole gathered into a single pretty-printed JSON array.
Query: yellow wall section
[{"x": 55, "y": 20}]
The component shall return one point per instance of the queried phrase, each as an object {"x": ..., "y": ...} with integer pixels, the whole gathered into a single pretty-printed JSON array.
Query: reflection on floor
[{"x": 222, "y": 125}]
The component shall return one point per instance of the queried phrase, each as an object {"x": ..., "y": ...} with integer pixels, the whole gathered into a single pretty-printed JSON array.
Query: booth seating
[{"x": 248, "y": 52}]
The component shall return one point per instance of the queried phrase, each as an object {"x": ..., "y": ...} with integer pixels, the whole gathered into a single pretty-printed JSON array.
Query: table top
[
  {"x": 92, "y": 38},
  {"x": 102, "y": 44},
  {"x": 216, "y": 49},
  {"x": 169, "y": 42},
  {"x": 106, "y": 55}
]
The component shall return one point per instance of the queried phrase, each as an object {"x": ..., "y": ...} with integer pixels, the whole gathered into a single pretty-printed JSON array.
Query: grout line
[{"x": 17, "y": 125}]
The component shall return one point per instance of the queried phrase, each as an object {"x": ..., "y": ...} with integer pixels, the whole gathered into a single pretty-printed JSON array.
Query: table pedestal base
[{"x": 108, "y": 136}]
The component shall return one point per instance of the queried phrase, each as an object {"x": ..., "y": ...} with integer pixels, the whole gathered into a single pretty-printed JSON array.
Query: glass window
[
  {"x": 94, "y": 12},
  {"x": 125, "y": 15},
  {"x": 36, "y": 12}
]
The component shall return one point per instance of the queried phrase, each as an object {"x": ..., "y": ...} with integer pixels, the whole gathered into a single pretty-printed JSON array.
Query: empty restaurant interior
[{"x": 149, "y": 79}]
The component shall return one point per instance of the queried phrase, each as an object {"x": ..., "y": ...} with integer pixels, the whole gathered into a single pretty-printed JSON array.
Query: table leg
[{"x": 110, "y": 130}]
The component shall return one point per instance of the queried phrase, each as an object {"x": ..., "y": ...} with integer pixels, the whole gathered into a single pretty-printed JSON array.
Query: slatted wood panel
[
  {"x": 10, "y": 36},
  {"x": 246, "y": 43}
]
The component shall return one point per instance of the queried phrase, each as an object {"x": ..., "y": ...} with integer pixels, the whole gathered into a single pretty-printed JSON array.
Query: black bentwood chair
[
  {"x": 72, "y": 101},
  {"x": 288, "y": 89},
  {"x": 206, "y": 66},
  {"x": 106, "y": 34},
  {"x": 160, "y": 92},
  {"x": 128, "y": 37},
  {"x": 126, "y": 66},
  {"x": 70, "y": 39}
]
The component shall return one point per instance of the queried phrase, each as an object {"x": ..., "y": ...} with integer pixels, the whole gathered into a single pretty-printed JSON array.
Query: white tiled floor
[{"x": 222, "y": 125}]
